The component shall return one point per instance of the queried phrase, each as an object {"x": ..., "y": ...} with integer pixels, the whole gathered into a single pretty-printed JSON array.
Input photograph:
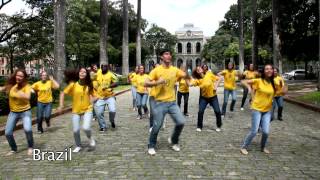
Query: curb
[
  {"x": 53, "y": 115},
  {"x": 302, "y": 104}
]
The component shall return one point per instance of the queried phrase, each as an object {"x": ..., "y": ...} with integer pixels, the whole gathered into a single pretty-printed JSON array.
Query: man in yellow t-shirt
[
  {"x": 133, "y": 87},
  {"x": 103, "y": 85},
  {"x": 163, "y": 78},
  {"x": 248, "y": 74},
  {"x": 43, "y": 88},
  {"x": 229, "y": 76}
]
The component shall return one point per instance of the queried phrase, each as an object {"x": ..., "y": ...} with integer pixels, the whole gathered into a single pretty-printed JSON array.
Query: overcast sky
[{"x": 170, "y": 14}]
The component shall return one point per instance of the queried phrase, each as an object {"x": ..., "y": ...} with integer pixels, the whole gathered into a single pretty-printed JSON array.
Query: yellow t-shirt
[
  {"x": 229, "y": 79},
  {"x": 17, "y": 104},
  {"x": 44, "y": 91},
  {"x": 140, "y": 81},
  {"x": 183, "y": 86},
  {"x": 206, "y": 85},
  {"x": 250, "y": 74},
  {"x": 262, "y": 100},
  {"x": 279, "y": 83},
  {"x": 102, "y": 83},
  {"x": 80, "y": 98},
  {"x": 166, "y": 92},
  {"x": 132, "y": 79}
]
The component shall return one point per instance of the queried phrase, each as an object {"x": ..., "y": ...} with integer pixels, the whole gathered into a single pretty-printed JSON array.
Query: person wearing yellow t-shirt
[
  {"x": 163, "y": 78},
  {"x": 133, "y": 87},
  {"x": 183, "y": 91},
  {"x": 142, "y": 91},
  {"x": 208, "y": 84},
  {"x": 264, "y": 91},
  {"x": 229, "y": 76},
  {"x": 152, "y": 101},
  {"x": 248, "y": 74},
  {"x": 43, "y": 88},
  {"x": 80, "y": 88},
  {"x": 278, "y": 98},
  {"x": 19, "y": 92},
  {"x": 106, "y": 80}
]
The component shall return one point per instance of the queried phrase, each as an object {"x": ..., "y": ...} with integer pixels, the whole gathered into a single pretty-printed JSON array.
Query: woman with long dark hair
[
  {"x": 264, "y": 91},
  {"x": 80, "y": 88},
  {"x": 19, "y": 92},
  {"x": 142, "y": 92},
  {"x": 278, "y": 99},
  {"x": 208, "y": 84},
  {"x": 133, "y": 87},
  {"x": 44, "y": 105}
]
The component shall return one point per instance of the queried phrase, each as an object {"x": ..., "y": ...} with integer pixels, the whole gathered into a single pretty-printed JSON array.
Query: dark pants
[
  {"x": 203, "y": 102},
  {"x": 185, "y": 100},
  {"x": 244, "y": 97},
  {"x": 43, "y": 112}
]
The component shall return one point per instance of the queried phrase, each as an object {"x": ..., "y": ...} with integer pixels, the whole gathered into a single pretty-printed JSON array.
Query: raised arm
[{"x": 55, "y": 84}]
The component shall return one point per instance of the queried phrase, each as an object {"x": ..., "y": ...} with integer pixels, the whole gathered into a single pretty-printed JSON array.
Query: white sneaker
[
  {"x": 77, "y": 149},
  {"x": 218, "y": 129},
  {"x": 199, "y": 129},
  {"x": 92, "y": 142},
  {"x": 176, "y": 147},
  {"x": 169, "y": 140},
  {"x": 241, "y": 109},
  {"x": 151, "y": 151},
  {"x": 150, "y": 130}
]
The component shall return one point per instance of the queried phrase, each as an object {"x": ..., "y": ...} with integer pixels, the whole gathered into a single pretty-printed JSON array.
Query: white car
[{"x": 295, "y": 74}]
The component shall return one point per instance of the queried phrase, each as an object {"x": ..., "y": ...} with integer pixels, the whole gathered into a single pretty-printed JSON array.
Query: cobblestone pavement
[{"x": 121, "y": 153}]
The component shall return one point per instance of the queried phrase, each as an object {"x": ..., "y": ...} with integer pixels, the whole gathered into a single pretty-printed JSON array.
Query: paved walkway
[{"x": 121, "y": 154}]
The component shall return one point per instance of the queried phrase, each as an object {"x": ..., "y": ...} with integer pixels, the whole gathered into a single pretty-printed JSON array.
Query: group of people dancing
[{"x": 92, "y": 91}]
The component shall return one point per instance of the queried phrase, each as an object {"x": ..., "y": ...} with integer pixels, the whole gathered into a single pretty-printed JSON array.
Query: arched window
[
  {"x": 198, "y": 47},
  {"x": 198, "y": 62},
  {"x": 179, "y": 48},
  {"x": 179, "y": 63},
  {"x": 189, "y": 64},
  {"x": 189, "y": 48}
]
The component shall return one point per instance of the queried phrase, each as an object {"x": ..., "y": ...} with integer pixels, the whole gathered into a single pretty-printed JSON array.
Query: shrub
[{"x": 123, "y": 80}]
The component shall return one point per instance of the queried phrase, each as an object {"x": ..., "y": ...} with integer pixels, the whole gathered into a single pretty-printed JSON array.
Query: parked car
[{"x": 295, "y": 74}]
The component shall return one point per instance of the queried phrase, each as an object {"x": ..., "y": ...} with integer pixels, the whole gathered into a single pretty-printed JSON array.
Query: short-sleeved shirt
[
  {"x": 44, "y": 91},
  {"x": 17, "y": 104},
  {"x": 80, "y": 97},
  {"x": 183, "y": 86},
  {"x": 140, "y": 82},
  {"x": 250, "y": 74},
  {"x": 166, "y": 92},
  {"x": 279, "y": 83},
  {"x": 102, "y": 84},
  {"x": 264, "y": 93},
  {"x": 206, "y": 85},
  {"x": 132, "y": 80},
  {"x": 229, "y": 79}
]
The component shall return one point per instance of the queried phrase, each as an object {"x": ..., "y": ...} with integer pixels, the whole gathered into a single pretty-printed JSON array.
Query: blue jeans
[
  {"x": 152, "y": 103},
  {"x": 43, "y": 111},
  {"x": 142, "y": 99},
  {"x": 258, "y": 118},
  {"x": 159, "y": 111},
  {"x": 87, "y": 117},
  {"x": 13, "y": 117},
  {"x": 277, "y": 102},
  {"x": 99, "y": 107},
  {"x": 214, "y": 103},
  {"x": 134, "y": 96},
  {"x": 226, "y": 98}
]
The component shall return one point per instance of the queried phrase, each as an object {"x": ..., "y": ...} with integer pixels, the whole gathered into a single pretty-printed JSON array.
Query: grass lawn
[
  {"x": 312, "y": 97},
  {"x": 3, "y": 119}
]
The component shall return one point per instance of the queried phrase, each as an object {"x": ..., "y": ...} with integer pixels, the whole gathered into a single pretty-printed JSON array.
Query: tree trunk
[
  {"x": 59, "y": 38},
  {"x": 241, "y": 41},
  {"x": 254, "y": 33},
  {"x": 318, "y": 86},
  {"x": 138, "y": 45},
  {"x": 103, "y": 31},
  {"x": 125, "y": 39},
  {"x": 11, "y": 62},
  {"x": 277, "y": 62}
]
